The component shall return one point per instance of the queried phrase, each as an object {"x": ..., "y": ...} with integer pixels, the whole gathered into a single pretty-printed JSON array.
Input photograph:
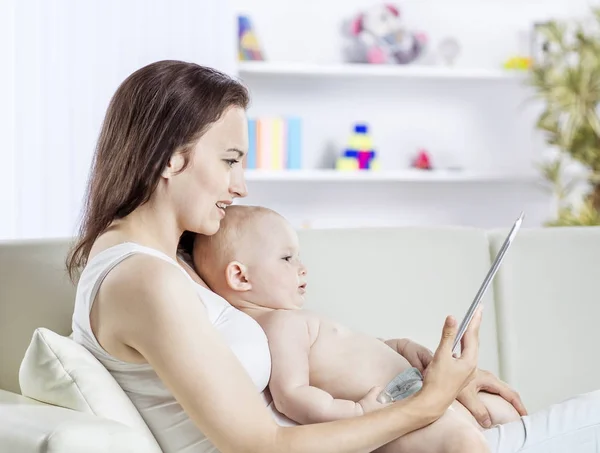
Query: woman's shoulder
[
  {"x": 145, "y": 297},
  {"x": 127, "y": 265},
  {"x": 146, "y": 277}
]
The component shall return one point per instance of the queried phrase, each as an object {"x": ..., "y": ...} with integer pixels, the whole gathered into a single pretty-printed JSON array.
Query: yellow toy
[
  {"x": 518, "y": 63},
  {"x": 360, "y": 154}
]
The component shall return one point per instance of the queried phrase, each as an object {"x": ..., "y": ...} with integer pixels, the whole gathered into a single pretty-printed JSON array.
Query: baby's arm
[
  {"x": 418, "y": 356},
  {"x": 397, "y": 344},
  {"x": 289, "y": 341}
]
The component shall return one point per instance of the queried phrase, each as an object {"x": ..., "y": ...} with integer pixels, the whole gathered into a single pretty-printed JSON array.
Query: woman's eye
[{"x": 232, "y": 162}]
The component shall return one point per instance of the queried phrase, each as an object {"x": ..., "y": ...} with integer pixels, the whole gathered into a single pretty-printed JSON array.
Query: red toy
[{"x": 422, "y": 161}]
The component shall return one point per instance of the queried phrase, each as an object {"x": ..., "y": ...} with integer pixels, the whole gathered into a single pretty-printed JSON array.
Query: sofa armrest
[{"x": 28, "y": 426}]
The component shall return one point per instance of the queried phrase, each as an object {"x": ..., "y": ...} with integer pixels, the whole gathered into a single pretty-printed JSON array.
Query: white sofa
[{"x": 539, "y": 332}]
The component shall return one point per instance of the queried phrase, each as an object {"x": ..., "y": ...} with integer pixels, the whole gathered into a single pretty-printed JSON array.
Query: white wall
[
  {"x": 8, "y": 201},
  {"x": 69, "y": 58},
  {"x": 483, "y": 125},
  {"x": 62, "y": 60},
  {"x": 308, "y": 30}
]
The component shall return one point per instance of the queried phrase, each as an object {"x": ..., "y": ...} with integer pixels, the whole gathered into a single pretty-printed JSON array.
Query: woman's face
[{"x": 214, "y": 176}]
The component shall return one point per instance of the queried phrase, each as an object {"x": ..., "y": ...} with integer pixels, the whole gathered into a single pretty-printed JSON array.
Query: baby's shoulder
[
  {"x": 286, "y": 319},
  {"x": 290, "y": 322}
]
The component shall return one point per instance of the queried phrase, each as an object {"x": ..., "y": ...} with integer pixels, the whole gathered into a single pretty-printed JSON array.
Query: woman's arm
[{"x": 155, "y": 311}]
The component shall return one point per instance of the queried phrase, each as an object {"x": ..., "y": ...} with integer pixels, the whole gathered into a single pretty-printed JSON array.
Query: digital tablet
[{"x": 488, "y": 278}]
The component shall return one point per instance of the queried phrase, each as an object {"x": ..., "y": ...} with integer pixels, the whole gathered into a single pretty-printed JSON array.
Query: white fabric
[
  {"x": 58, "y": 371},
  {"x": 31, "y": 427},
  {"x": 572, "y": 426},
  {"x": 173, "y": 429}
]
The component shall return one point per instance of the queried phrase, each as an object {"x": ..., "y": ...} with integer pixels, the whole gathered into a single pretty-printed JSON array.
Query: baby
[{"x": 321, "y": 371}]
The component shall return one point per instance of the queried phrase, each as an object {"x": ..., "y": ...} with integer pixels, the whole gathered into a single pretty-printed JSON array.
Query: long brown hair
[{"x": 159, "y": 109}]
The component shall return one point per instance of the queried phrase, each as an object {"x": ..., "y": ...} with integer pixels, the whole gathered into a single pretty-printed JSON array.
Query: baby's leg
[
  {"x": 500, "y": 410},
  {"x": 451, "y": 433}
]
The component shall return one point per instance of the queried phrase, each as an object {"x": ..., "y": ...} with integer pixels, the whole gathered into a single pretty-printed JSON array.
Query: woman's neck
[{"x": 150, "y": 226}]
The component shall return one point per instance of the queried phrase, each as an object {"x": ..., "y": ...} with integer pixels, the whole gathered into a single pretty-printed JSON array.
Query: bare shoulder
[
  {"x": 284, "y": 318},
  {"x": 145, "y": 280},
  {"x": 281, "y": 324},
  {"x": 144, "y": 295}
]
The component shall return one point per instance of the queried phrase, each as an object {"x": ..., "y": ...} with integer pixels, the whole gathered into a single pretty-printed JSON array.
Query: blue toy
[{"x": 360, "y": 154}]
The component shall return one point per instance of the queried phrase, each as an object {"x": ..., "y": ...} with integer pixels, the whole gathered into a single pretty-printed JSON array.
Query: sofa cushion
[
  {"x": 548, "y": 311},
  {"x": 58, "y": 371},
  {"x": 400, "y": 282},
  {"x": 35, "y": 291},
  {"x": 32, "y": 427}
]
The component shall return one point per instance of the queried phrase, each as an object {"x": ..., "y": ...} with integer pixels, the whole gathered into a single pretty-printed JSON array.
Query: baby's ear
[{"x": 236, "y": 275}]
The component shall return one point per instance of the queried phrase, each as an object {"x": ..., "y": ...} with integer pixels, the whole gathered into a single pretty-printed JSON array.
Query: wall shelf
[
  {"x": 409, "y": 175},
  {"x": 293, "y": 69}
]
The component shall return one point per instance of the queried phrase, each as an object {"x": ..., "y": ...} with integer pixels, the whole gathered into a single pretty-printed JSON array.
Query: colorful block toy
[
  {"x": 248, "y": 45},
  {"x": 360, "y": 154}
]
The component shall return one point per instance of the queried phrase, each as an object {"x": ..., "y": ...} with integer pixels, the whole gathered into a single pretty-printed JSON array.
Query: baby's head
[{"x": 253, "y": 260}]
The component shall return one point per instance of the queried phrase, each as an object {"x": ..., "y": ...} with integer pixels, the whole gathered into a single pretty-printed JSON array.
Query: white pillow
[{"x": 58, "y": 371}]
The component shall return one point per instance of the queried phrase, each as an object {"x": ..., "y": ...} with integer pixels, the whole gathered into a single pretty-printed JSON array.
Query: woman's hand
[
  {"x": 487, "y": 382},
  {"x": 446, "y": 376}
]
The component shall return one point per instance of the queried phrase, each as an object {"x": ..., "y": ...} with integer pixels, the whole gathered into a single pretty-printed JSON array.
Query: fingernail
[{"x": 487, "y": 423}]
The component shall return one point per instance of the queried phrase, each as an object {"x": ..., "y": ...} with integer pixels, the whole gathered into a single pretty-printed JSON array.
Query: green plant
[{"x": 567, "y": 80}]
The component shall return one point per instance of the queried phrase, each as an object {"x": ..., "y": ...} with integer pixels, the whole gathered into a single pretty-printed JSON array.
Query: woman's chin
[
  {"x": 212, "y": 228},
  {"x": 209, "y": 228}
]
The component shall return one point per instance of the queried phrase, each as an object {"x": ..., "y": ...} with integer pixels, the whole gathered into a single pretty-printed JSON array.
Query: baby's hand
[
  {"x": 369, "y": 402},
  {"x": 418, "y": 356}
]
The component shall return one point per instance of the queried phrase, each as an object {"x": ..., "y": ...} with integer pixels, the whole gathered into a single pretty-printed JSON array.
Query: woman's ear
[
  {"x": 175, "y": 164},
  {"x": 236, "y": 275}
]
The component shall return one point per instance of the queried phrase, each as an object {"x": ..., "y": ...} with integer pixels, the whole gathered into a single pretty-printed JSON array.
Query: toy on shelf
[
  {"x": 521, "y": 60},
  {"x": 360, "y": 154},
  {"x": 449, "y": 50},
  {"x": 378, "y": 36},
  {"x": 248, "y": 46},
  {"x": 518, "y": 63},
  {"x": 422, "y": 160}
]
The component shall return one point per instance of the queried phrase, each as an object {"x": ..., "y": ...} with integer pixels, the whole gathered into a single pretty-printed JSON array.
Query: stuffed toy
[{"x": 377, "y": 36}]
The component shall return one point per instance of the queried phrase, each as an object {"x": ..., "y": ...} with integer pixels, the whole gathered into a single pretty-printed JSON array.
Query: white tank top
[{"x": 172, "y": 428}]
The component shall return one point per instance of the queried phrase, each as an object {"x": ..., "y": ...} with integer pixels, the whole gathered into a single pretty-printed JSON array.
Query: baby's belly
[{"x": 348, "y": 365}]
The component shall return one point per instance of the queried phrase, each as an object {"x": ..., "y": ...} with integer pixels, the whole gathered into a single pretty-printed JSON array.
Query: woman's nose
[{"x": 238, "y": 186}]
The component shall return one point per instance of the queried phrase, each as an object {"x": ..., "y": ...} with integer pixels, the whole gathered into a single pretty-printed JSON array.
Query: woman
[{"x": 168, "y": 161}]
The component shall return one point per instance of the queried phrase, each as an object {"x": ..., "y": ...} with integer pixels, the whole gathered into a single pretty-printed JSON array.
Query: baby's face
[{"x": 276, "y": 273}]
